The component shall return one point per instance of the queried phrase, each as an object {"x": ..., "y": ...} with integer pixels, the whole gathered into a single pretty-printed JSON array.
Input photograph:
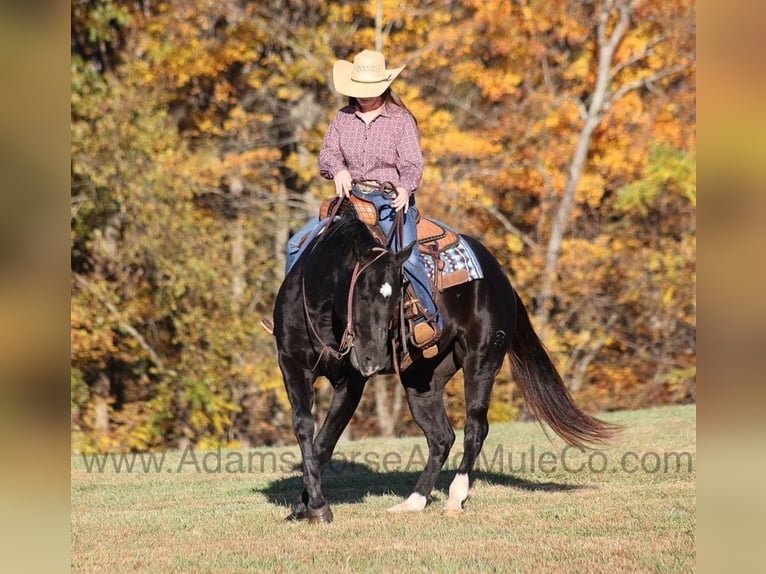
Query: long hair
[{"x": 388, "y": 96}]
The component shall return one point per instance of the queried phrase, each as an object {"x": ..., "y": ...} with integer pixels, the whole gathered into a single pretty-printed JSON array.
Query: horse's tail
[{"x": 544, "y": 392}]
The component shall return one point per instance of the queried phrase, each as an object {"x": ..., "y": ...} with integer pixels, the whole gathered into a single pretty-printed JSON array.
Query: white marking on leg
[
  {"x": 458, "y": 492},
  {"x": 415, "y": 503},
  {"x": 386, "y": 290}
]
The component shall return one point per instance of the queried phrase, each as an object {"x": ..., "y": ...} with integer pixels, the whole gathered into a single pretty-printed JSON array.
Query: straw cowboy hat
[{"x": 366, "y": 77}]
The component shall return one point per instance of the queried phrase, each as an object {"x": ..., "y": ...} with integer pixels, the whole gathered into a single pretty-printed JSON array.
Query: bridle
[{"x": 347, "y": 339}]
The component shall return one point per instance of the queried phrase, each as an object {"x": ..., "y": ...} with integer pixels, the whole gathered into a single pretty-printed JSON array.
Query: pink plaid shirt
[{"x": 388, "y": 149}]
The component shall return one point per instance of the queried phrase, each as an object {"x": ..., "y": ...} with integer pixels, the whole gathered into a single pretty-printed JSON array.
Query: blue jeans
[
  {"x": 295, "y": 246},
  {"x": 414, "y": 268}
]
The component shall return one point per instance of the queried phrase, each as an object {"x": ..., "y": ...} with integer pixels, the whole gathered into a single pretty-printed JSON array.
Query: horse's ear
[{"x": 404, "y": 254}]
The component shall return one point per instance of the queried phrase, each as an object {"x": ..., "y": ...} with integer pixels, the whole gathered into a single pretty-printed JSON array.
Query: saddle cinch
[{"x": 434, "y": 240}]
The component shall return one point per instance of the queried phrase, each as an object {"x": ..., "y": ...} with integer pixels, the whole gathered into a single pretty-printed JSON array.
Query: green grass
[{"x": 197, "y": 517}]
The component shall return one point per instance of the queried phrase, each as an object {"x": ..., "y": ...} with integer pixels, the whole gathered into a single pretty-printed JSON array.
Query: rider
[{"x": 375, "y": 138}]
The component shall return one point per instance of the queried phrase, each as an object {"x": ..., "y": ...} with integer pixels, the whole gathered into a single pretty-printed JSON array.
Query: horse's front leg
[
  {"x": 299, "y": 385},
  {"x": 345, "y": 399}
]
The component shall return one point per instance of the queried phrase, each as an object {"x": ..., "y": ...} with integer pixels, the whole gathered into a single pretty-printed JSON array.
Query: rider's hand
[
  {"x": 402, "y": 199},
  {"x": 342, "y": 181}
]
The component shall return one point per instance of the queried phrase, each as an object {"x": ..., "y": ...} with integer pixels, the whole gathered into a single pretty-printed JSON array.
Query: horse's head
[{"x": 374, "y": 304}]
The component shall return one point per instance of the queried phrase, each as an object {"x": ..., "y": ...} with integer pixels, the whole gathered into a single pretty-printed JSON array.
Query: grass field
[{"x": 534, "y": 506}]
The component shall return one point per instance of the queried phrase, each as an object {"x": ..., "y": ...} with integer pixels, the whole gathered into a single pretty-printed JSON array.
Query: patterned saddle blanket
[{"x": 447, "y": 257}]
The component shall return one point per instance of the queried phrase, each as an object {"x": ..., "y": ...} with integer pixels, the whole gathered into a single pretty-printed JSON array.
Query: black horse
[{"x": 333, "y": 317}]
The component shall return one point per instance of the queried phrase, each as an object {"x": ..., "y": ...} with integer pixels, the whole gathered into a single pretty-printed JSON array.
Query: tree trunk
[
  {"x": 388, "y": 405},
  {"x": 101, "y": 405},
  {"x": 237, "y": 251},
  {"x": 607, "y": 45},
  {"x": 576, "y": 381},
  {"x": 281, "y": 234}
]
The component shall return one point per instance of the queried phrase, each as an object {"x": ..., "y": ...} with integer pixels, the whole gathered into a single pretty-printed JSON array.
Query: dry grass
[{"x": 517, "y": 519}]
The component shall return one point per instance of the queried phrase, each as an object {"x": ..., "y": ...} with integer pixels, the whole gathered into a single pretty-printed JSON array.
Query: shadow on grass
[{"x": 352, "y": 482}]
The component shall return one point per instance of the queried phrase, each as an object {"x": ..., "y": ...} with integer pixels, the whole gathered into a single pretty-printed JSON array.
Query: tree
[{"x": 615, "y": 77}]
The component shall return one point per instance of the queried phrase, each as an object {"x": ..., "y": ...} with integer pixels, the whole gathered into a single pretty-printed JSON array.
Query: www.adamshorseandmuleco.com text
[{"x": 502, "y": 460}]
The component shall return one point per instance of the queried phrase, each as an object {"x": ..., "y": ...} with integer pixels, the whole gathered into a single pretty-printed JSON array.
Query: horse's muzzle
[{"x": 367, "y": 363}]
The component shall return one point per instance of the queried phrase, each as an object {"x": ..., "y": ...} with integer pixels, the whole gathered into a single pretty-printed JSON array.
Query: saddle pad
[{"x": 455, "y": 265}]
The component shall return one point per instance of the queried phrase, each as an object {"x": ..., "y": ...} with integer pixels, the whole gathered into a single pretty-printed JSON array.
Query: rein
[{"x": 397, "y": 232}]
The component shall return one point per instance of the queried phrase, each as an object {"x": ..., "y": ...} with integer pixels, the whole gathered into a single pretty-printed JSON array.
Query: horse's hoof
[
  {"x": 452, "y": 512},
  {"x": 414, "y": 503},
  {"x": 321, "y": 515}
]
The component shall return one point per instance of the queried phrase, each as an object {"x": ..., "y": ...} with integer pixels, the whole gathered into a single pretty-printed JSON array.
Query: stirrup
[
  {"x": 425, "y": 336},
  {"x": 422, "y": 334},
  {"x": 430, "y": 352}
]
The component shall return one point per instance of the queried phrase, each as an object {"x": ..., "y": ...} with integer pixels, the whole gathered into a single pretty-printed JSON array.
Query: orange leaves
[
  {"x": 244, "y": 163},
  {"x": 468, "y": 146},
  {"x": 497, "y": 85}
]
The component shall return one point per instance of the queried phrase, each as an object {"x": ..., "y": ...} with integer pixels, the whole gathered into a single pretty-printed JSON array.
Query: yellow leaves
[
  {"x": 672, "y": 124},
  {"x": 667, "y": 175},
  {"x": 496, "y": 85},
  {"x": 303, "y": 165},
  {"x": 513, "y": 243},
  {"x": 597, "y": 250},
  {"x": 661, "y": 277},
  {"x": 91, "y": 337},
  {"x": 469, "y": 192},
  {"x": 243, "y": 162},
  {"x": 269, "y": 377},
  {"x": 467, "y": 71},
  {"x": 236, "y": 50},
  {"x": 452, "y": 143},
  {"x": 288, "y": 92},
  {"x": 236, "y": 118},
  {"x": 554, "y": 131},
  {"x": 500, "y": 410},
  {"x": 441, "y": 137},
  {"x": 581, "y": 69},
  {"x": 590, "y": 189}
]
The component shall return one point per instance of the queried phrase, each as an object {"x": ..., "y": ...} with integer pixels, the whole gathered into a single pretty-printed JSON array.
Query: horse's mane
[
  {"x": 345, "y": 233},
  {"x": 335, "y": 251}
]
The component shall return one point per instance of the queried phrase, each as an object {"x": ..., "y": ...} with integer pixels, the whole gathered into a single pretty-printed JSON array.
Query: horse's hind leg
[{"x": 479, "y": 377}]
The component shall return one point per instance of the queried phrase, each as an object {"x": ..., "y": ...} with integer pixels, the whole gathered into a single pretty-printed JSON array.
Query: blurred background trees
[{"x": 560, "y": 133}]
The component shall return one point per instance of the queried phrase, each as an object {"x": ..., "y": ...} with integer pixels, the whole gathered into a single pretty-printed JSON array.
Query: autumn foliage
[{"x": 560, "y": 133}]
